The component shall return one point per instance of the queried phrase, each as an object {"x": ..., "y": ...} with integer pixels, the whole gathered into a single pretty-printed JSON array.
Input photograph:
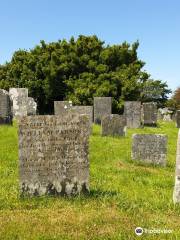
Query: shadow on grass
[
  {"x": 98, "y": 193},
  {"x": 35, "y": 202}
]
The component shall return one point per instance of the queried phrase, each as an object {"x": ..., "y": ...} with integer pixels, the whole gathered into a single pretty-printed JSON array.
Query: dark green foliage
[{"x": 80, "y": 69}]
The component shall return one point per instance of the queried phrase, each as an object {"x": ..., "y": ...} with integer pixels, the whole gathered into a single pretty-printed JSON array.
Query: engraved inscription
[{"x": 53, "y": 153}]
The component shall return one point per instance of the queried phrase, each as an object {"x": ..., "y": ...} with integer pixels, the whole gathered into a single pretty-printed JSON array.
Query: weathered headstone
[
  {"x": 149, "y": 110},
  {"x": 102, "y": 107},
  {"x": 61, "y": 107},
  {"x": 165, "y": 114},
  {"x": 5, "y": 108},
  {"x": 150, "y": 148},
  {"x": 31, "y": 106},
  {"x": 19, "y": 97},
  {"x": 53, "y": 154},
  {"x": 178, "y": 118},
  {"x": 88, "y": 110},
  {"x": 132, "y": 111},
  {"x": 176, "y": 193},
  {"x": 113, "y": 125}
]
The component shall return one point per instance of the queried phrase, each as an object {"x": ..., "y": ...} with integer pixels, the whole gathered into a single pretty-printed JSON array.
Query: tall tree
[{"x": 79, "y": 70}]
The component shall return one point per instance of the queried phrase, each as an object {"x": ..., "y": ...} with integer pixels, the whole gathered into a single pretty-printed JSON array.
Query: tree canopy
[{"x": 80, "y": 69}]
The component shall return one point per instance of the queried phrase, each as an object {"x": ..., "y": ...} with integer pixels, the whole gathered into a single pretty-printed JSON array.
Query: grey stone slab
[
  {"x": 178, "y": 118},
  {"x": 150, "y": 113},
  {"x": 5, "y": 108},
  {"x": 61, "y": 107},
  {"x": 31, "y": 106},
  {"x": 176, "y": 193},
  {"x": 150, "y": 148},
  {"x": 19, "y": 97},
  {"x": 113, "y": 125},
  {"x": 53, "y": 154},
  {"x": 132, "y": 111},
  {"x": 102, "y": 107},
  {"x": 88, "y": 110}
]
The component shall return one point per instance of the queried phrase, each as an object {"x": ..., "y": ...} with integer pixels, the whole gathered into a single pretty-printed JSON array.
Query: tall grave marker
[
  {"x": 149, "y": 113},
  {"x": 176, "y": 193},
  {"x": 132, "y": 111},
  {"x": 19, "y": 97},
  {"x": 53, "y": 154},
  {"x": 178, "y": 118},
  {"x": 5, "y": 108},
  {"x": 102, "y": 107}
]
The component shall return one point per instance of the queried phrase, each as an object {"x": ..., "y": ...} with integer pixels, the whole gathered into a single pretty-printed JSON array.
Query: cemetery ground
[{"x": 123, "y": 194}]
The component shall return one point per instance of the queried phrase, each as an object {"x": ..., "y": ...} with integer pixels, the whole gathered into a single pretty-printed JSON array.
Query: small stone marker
[
  {"x": 132, "y": 111},
  {"x": 53, "y": 154},
  {"x": 31, "y": 106},
  {"x": 150, "y": 148},
  {"x": 176, "y": 193},
  {"x": 19, "y": 97},
  {"x": 113, "y": 125},
  {"x": 5, "y": 108},
  {"x": 150, "y": 113},
  {"x": 60, "y": 107},
  {"x": 178, "y": 119},
  {"x": 102, "y": 107}
]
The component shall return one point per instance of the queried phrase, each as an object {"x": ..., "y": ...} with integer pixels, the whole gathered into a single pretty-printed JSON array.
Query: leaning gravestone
[
  {"x": 31, "y": 106},
  {"x": 150, "y": 113},
  {"x": 102, "y": 107},
  {"x": 53, "y": 154},
  {"x": 132, "y": 111},
  {"x": 5, "y": 108},
  {"x": 176, "y": 193},
  {"x": 178, "y": 118},
  {"x": 150, "y": 148},
  {"x": 60, "y": 107},
  {"x": 113, "y": 125},
  {"x": 19, "y": 97}
]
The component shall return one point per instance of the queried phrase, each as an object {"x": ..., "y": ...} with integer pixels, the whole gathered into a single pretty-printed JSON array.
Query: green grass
[{"x": 124, "y": 194}]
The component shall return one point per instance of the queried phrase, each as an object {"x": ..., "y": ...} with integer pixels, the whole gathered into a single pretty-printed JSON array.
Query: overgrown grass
[{"x": 124, "y": 194}]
